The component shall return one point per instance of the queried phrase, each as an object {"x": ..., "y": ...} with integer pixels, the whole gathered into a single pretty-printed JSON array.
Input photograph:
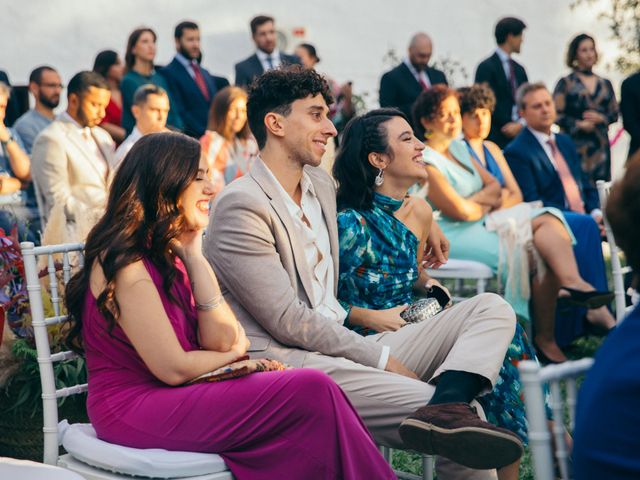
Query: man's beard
[
  {"x": 48, "y": 102},
  {"x": 186, "y": 54}
]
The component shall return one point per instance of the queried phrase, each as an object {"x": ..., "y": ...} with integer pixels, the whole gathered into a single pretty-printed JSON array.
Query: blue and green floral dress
[{"x": 378, "y": 268}]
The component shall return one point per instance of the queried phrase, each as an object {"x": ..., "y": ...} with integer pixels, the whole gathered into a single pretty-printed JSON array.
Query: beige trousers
[{"x": 472, "y": 336}]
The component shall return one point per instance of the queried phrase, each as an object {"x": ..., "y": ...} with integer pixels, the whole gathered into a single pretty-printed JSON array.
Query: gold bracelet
[{"x": 212, "y": 304}]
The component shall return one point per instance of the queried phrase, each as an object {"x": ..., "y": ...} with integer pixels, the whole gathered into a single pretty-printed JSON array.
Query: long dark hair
[
  {"x": 141, "y": 218},
  {"x": 353, "y": 172},
  {"x": 129, "y": 57},
  {"x": 220, "y": 108},
  {"x": 104, "y": 61}
]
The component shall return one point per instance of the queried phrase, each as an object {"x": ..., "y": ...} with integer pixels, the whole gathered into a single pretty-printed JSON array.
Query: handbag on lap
[
  {"x": 240, "y": 368},
  {"x": 424, "y": 308}
]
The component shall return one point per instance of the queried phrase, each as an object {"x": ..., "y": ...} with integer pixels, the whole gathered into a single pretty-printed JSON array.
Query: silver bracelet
[{"x": 212, "y": 304}]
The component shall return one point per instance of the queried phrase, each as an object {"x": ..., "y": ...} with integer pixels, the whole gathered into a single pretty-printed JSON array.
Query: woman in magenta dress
[{"x": 148, "y": 312}]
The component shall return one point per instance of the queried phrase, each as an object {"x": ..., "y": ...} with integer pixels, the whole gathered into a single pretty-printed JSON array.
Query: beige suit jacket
[
  {"x": 264, "y": 276},
  {"x": 67, "y": 172}
]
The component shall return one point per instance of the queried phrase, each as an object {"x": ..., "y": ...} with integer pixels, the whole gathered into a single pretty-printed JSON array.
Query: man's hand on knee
[{"x": 396, "y": 366}]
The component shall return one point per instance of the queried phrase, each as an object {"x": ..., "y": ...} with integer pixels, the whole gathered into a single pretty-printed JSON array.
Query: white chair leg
[{"x": 427, "y": 467}]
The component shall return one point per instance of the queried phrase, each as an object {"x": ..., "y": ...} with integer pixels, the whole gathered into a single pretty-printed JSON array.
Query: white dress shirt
[
  {"x": 504, "y": 58},
  {"x": 543, "y": 140},
  {"x": 125, "y": 146},
  {"x": 317, "y": 250},
  {"x": 420, "y": 76},
  {"x": 275, "y": 59}
]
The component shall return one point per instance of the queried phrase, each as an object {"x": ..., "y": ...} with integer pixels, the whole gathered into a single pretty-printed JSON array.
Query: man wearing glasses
[{"x": 45, "y": 86}]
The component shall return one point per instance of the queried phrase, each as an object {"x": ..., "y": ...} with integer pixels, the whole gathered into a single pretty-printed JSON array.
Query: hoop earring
[
  {"x": 427, "y": 134},
  {"x": 379, "y": 178}
]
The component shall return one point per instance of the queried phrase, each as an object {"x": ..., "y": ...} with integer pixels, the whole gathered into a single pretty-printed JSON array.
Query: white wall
[{"x": 352, "y": 36}]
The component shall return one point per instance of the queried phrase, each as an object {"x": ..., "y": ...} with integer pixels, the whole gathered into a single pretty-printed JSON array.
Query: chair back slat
[
  {"x": 617, "y": 272},
  {"x": 49, "y": 321},
  {"x": 53, "y": 284},
  {"x": 533, "y": 377},
  {"x": 50, "y": 394}
]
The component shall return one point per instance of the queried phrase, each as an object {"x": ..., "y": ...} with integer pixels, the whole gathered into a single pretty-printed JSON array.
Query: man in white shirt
[
  {"x": 150, "y": 109},
  {"x": 267, "y": 56},
  {"x": 72, "y": 159},
  {"x": 273, "y": 242}
]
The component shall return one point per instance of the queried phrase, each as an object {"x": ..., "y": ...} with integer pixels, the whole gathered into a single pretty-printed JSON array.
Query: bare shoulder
[
  {"x": 125, "y": 277},
  {"x": 419, "y": 208}
]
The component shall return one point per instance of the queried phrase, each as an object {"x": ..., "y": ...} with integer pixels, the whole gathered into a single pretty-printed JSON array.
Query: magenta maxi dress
[{"x": 295, "y": 424}]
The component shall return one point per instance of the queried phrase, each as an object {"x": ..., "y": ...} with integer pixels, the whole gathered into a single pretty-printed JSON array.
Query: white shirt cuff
[
  {"x": 384, "y": 357},
  {"x": 596, "y": 212}
]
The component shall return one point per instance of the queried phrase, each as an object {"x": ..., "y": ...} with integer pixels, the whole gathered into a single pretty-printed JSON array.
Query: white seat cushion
[
  {"x": 80, "y": 440},
  {"x": 10, "y": 468},
  {"x": 455, "y": 268}
]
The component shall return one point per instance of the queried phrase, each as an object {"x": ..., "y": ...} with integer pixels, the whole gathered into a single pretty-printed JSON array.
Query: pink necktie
[
  {"x": 423, "y": 84},
  {"x": 199, "y": 79},
  {"x": 571, "y": 190}
]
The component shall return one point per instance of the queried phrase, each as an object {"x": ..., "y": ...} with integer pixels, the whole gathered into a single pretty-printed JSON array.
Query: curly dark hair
[
  {"x": 572, "y": 49},
  {"x": 476, "y": 96},
  {"x": 276, "y": 90},
  {"x": 623, "y": 211},
  {"x": 355, "y": 175},
  {"x": 428, "y": 103},
  {"x": 140, "y": 220}
]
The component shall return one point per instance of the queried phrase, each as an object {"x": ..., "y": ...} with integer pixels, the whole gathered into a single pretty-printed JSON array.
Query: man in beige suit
[
  {"x": 72, "y": 159},
  {"x": 273, "y": 243}
]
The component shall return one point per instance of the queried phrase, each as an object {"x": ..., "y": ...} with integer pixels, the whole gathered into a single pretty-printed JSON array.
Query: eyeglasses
[{"x": 52, "y": 85}]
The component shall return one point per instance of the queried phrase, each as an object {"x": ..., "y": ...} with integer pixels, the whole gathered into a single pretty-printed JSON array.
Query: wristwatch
[{"x": 7, "y": 141}]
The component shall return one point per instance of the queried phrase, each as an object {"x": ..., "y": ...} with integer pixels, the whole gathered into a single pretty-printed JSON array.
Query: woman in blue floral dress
[{"x": 383, "y": 244}]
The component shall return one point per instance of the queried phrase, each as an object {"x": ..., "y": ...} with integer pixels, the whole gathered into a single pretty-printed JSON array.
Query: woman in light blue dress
[{"x": 465, "y": 194}]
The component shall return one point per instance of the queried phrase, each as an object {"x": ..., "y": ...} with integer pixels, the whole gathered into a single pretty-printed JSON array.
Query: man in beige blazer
[
  {"x": 273, "y": 243},
  {"x": 72, "y": 159}
]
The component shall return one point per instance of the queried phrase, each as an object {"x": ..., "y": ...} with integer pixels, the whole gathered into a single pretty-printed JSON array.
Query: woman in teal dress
[
  {"x": 465, "y": 195},
  {"x": 382, "y": 248}
]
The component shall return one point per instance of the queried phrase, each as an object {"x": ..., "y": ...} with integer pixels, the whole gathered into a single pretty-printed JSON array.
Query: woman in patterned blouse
[
  {"x": 387, "y": 236},
  {"x": 586, "y": 107}
]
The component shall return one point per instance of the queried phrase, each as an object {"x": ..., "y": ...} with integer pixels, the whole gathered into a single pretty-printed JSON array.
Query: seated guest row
[{"x": 273, "y": 243}]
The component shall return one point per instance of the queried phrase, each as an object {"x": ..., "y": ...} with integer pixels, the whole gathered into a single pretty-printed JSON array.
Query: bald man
[{"x": 401, "y": 86}]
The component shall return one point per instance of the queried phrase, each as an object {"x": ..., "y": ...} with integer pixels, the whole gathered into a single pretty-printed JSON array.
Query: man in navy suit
[
  {"x": 537, "y": 158},
  {"x": 547, "y": 167},
  {"x": 267, "y": 55},
  {"x": 401, "y": 86},
  {"x": 192, "y": 87},
  {"x": 504, "y": 75}
]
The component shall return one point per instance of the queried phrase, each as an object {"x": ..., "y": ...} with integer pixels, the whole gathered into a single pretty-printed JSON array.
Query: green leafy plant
[{"x": 21, "y": 389}]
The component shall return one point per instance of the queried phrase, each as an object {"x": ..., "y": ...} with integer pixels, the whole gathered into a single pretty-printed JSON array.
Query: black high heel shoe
[
  {"x": 579, "y": 298},
  {"x": 542, "y": 358}
]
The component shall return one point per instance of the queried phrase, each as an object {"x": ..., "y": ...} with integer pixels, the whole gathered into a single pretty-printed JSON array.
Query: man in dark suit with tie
[
  {"x": 401, "y": 86},
  {"x": 630, "y": 109},
  {"x": 192, "y": 87},
  {"x": 546, "y": 164},
  {"x": 504, "y": 75},
  {"x": 267, "y": 56},
  {"x": 547, "y": 167}
]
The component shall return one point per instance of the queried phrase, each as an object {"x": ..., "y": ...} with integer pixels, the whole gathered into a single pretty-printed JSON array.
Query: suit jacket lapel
[
  {"x": 81, "y": 145},
  {"x": 543, "y": 159},
  {"x": 257, "y": 64},
  {"x": 410, "y": 79},
  {"x": 501, "y": 77},
  {"x": 187, "y": 79},
  {"x": 259, "y": 172}
]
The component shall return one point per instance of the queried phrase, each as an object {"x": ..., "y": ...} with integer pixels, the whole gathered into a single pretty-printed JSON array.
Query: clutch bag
[
  {"x": 240, "y": 368},
  {"x": 425, "y": 308}
]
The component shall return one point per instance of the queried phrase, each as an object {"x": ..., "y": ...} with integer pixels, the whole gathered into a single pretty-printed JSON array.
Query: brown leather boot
[{"x": 455, "y": 431}]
